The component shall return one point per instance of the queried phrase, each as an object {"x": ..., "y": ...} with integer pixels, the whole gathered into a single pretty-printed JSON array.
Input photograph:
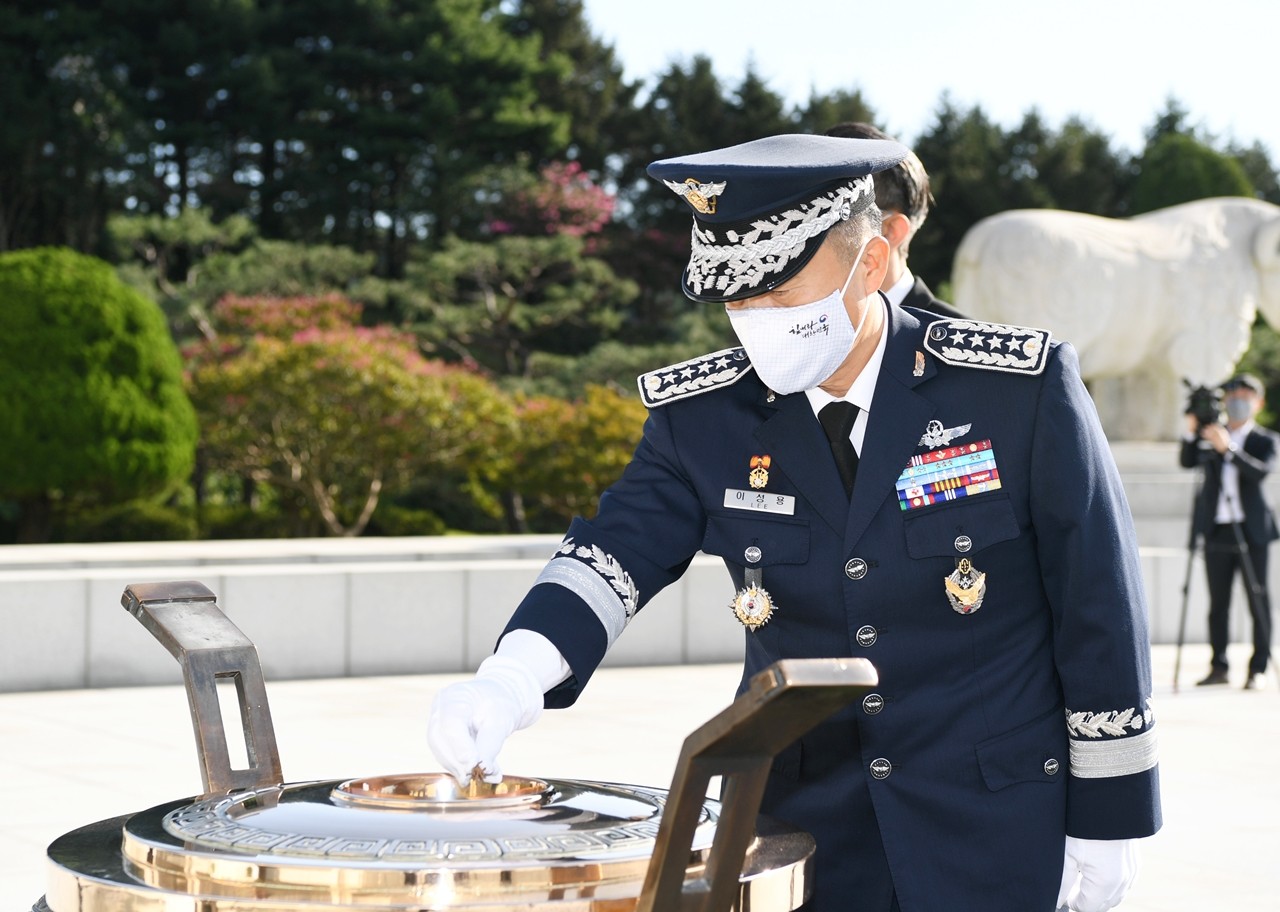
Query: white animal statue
[{"x": 1146, "y": 301}]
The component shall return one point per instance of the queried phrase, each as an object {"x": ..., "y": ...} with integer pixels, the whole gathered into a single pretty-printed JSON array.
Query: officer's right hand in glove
[{"x": 470, "y": 721}]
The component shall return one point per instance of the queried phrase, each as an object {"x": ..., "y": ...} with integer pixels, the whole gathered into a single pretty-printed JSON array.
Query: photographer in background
[{"x": 1231, "y": 515}]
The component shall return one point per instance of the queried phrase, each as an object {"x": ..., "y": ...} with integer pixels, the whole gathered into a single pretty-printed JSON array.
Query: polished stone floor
[{"x": 72, "y": 757}]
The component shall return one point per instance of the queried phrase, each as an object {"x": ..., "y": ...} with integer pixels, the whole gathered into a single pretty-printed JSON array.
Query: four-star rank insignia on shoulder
[
  {"x": 989, "y": 346},
  {"x": 693, "y": 377}
]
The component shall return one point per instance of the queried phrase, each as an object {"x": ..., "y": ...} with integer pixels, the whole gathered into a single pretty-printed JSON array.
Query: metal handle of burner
[
  {"x": 184, "y": 616},
  {"x": 782, "y": 702}
]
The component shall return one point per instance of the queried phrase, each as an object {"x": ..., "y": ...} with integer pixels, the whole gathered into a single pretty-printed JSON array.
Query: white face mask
[
  {"x": 796, "y": 348},
  {"x": 1239, "y": 410}
]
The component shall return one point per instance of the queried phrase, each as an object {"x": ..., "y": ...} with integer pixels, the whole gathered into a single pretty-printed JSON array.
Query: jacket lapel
[
  {"x": 897, "y": 419},
  {"x": 896, "y": 422},
  {"x": 801, "y": 452}
]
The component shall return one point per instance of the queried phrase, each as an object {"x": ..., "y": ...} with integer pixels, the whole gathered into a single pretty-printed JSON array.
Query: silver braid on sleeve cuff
[
  {"x": 1118, "y": 757},
  {"x": 592, "y": 588}
]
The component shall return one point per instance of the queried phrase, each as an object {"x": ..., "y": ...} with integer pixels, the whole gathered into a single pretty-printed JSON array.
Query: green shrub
[
  {"x": 569, "y": 452},
  {"x": 92, "y": 405},
  {"x": 394, "y": 520},
  {"x": 229, "y": 521},
  {"x": 137, "y": 521}
]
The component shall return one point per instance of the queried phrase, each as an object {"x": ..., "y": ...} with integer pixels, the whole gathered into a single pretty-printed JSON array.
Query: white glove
[
  {"x": 470, "y": 720},
  {"x": 1096, "y": 873}
]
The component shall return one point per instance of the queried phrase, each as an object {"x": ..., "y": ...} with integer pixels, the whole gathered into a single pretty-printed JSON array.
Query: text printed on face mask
[{"x": 818, "y": 327}]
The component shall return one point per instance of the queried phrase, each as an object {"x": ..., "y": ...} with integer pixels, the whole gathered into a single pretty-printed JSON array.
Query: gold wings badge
[{"x": 700, "y": 196}]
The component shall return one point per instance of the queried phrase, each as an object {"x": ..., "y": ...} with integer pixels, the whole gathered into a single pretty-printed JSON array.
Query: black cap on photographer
[{"x": 1245, "y": 381}]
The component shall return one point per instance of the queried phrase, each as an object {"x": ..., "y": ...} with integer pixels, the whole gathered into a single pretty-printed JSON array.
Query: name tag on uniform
[{"x": 759, "y": 500}]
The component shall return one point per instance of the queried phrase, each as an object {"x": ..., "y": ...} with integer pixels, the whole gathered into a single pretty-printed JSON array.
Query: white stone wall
[
  {"x": 313, "y": 615},
  {"x": 387, "y": 606}
]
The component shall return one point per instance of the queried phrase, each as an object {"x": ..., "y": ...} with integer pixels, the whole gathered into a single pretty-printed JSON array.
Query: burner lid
[
  {"x": 408, "y": 821},
  {"x": 404, "y": 842}
]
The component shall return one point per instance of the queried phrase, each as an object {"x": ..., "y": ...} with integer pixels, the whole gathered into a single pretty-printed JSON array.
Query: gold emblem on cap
[
  {"x": 966, "y": 587},
  {"x": 752, "y": 606},
  {"x": 701, "y": 196}
]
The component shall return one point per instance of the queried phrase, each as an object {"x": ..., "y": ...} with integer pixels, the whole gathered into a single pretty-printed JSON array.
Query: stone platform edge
[
  {"x": 367, "y": 607},
  {"x": 65, "y": 628}
]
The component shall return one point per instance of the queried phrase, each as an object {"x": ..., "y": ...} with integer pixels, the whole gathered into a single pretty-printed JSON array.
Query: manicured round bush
[{"x": 92, "y": 404}]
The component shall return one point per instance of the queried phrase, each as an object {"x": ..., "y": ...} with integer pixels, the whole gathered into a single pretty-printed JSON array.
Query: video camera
[{"x": 1204, "y": 404}]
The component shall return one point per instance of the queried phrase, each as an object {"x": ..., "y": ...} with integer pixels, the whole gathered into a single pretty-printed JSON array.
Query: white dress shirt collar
[
  {"x": 863, "y": 390},
  {"x": 898, "y": 293}
]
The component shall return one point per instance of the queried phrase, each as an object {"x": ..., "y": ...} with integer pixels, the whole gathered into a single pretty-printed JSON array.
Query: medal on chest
[
  {"x": 752, "y": 606},
  {"x": 759, "y": 475},
  {"x": 966, "y": 587}
]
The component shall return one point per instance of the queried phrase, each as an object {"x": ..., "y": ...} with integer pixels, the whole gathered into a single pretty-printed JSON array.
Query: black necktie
[{"x": 837, "y": 420}]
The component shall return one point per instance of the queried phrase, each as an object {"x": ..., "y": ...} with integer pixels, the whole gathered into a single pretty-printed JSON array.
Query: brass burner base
[{"x": 158, "y": 873}]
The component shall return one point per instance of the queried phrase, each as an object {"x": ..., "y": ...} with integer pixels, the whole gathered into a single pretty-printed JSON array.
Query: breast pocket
[
  {"x": 770, "y": 541},
  {"x": 963, "y": 527}
]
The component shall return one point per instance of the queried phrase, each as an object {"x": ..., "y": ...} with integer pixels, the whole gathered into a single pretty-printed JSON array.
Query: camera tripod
[{"x": 1253, "y": 587}]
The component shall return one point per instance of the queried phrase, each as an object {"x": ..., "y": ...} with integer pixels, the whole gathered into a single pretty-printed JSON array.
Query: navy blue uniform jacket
[{"x": 997, "y": 732}]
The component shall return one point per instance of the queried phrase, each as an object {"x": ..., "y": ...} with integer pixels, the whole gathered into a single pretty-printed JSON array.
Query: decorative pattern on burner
[{"x": 209, "y": 824}]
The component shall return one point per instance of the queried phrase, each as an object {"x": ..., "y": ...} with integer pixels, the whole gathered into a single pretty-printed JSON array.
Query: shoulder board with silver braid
[
  {"x": 988, "y": 346},
  {"x": 693, "y": 377}
]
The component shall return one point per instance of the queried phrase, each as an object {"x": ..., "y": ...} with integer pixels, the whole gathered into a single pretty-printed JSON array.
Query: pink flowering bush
[
  {"x": 306, "y": 402},
  {"x": 282, "y": 317},
  {"x": 565, "y": 200}
]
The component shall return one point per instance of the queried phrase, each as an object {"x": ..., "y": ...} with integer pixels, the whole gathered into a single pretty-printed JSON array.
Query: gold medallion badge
[
  {"x": 966, "y": 587},
  {"x": 752, "y": 606},
  {"x": 759, "y": 476}
]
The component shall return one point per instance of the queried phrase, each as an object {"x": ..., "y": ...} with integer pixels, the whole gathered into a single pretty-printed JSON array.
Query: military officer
[{"x": 937, "y": 497}]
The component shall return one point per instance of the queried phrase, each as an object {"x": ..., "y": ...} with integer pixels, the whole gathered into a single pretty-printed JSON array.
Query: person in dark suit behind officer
[
  {"x": 903, "y": 197},
  {"x": 1232, "y": 512},
  {"x": 934, "y": 495}
]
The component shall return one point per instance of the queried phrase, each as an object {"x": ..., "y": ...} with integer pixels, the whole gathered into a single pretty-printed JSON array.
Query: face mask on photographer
[{"x": 1239, "y": 409}]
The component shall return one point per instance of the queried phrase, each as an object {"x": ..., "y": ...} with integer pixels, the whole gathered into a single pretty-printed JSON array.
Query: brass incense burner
[{"x": 419, "y": 842}]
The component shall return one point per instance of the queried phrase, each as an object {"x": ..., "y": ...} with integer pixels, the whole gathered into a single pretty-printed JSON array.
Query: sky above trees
[{"x": 1112, "y": 64}]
